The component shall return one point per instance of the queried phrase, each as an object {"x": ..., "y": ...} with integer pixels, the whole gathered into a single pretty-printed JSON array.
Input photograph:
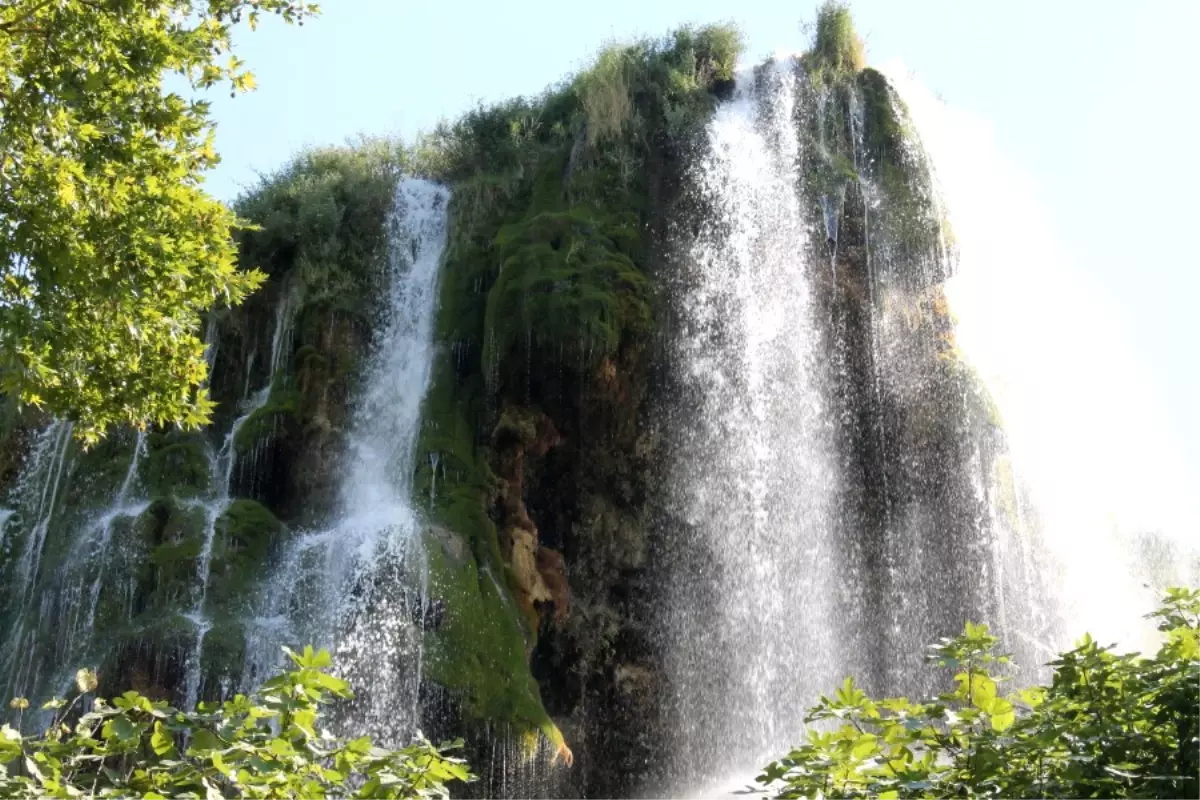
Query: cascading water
[
  {"x": 838, "y": 498},
  {"x": 358, "y": 586},
  {"x": 1099, "y": 494},
  {"x": 223, "y": 465},
  {"x": 750, "y": 619},
  {"x": 34, "y": 498}
]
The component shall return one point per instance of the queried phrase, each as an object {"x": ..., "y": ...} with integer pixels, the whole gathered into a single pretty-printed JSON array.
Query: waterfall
[
  {"x": 62, "y": 602},
  {"x": 856, "y": 471},
  {"x": 34, "y": 497},
  {"x": 750, "y": 623},
  {"x": 358, "y": 586},
  {"x": 1102, "y": 492},
  {"x": 869, "y": 402}
]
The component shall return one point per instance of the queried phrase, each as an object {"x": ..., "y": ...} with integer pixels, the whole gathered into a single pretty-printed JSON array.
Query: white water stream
[
  {"x": 748, "y": 619},
  {"x": 1116, "y": 509},
  {"x": 1069, "y": 516},
  {"x": 358, "y": 586}
]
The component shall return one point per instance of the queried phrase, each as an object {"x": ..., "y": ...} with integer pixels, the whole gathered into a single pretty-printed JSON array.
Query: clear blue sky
[{"x": 1097, "y": 101}]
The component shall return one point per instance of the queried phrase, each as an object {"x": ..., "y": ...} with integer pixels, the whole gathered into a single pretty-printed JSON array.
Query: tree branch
[{"x": 5, "y": 26}]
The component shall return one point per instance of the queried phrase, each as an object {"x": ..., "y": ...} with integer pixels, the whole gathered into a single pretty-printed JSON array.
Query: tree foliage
[
  {"x": 1108, "y": 725},
  {"x": 109, "y": 248},
  {"x": 267, "y": 745}
]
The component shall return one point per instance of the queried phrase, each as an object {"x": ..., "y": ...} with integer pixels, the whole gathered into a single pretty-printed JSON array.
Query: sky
[{"x": 1096, "y": 101}]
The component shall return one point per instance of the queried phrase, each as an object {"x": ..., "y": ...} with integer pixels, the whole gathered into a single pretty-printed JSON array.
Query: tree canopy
[{"x": 110, "y": 250}]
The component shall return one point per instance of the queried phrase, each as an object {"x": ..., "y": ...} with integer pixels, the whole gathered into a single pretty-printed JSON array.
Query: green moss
[
  {"x": 245, "y": 535},
  {"x": 129, "y": 573},
  {"x": 176, "y": 463},
  {"x": 908, "y": 218},
  {"x": 224, "y": 653},
  {"x": 564, "y": 285},
  {"x": 178, "y": 532},
  {"x": 97, "y": 472},
  {"x": 281, "y": 408},
  {"x": 308, "y": 357},
  {"x": 479, "y": 651}
]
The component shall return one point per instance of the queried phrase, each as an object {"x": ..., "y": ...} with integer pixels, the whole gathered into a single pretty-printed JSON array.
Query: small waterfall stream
[
  {"x": 358, "y": 586},
  {"x": 223, "y": 466}
]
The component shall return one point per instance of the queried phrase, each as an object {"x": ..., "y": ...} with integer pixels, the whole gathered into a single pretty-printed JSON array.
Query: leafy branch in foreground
[
  {"x": 267, "y": 745},
  {"x": 1108, "y": 725},
  {"x": 110, "y": 250}
]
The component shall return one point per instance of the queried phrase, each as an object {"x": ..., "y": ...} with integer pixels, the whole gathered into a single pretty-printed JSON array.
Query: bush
[
  {"x": 266, "y": 745},
  {"x": 836, "y": 46},
  {"x": 1108, "y": 725}
]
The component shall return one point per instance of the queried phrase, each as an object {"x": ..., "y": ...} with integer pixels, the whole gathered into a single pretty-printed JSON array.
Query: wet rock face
[{"x": 915, "y": 424}]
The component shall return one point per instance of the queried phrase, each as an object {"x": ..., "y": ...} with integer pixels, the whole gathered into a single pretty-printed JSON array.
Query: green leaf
[
  {"x": 203, "y": 741},
  {"x": 1002, "y": 713},
  {"x": 161, "y": 742},
  {"x": 864, "y": 746},
  {"x": 282, "y": 747},
  {"x": 120, "y": 728}
]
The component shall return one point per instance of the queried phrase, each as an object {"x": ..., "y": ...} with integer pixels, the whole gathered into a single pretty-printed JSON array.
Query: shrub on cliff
[
  {"x": 1108, "y": 725},
  {"x": 267, "y": 745}
]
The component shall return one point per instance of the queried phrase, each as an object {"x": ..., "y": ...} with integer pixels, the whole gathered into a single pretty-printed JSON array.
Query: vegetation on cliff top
[{"x": 836, "y": 47}]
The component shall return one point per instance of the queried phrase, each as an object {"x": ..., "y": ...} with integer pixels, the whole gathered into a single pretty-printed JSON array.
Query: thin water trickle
[
  {"x": 123, "y": 507},
  {"x": 223, "y": 465},
  {"x": 433, "y": 468}
]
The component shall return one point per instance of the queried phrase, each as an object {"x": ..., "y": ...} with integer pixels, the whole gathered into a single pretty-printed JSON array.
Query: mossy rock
[
  {"x": 907, "y": 220},
  {"x": 245, "y": 535},
  {"x": 128, "y": 573},
  {"x": 177, "y": 530},
  {"x": 479, "y": 651},
  {"x": 566, "y": 285},
  {"x": 223, "y": 654},
  {"x": 176, "y": 463},
  {"x": 96, "y": 473},
  {"x": 280, "y": 410}
]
